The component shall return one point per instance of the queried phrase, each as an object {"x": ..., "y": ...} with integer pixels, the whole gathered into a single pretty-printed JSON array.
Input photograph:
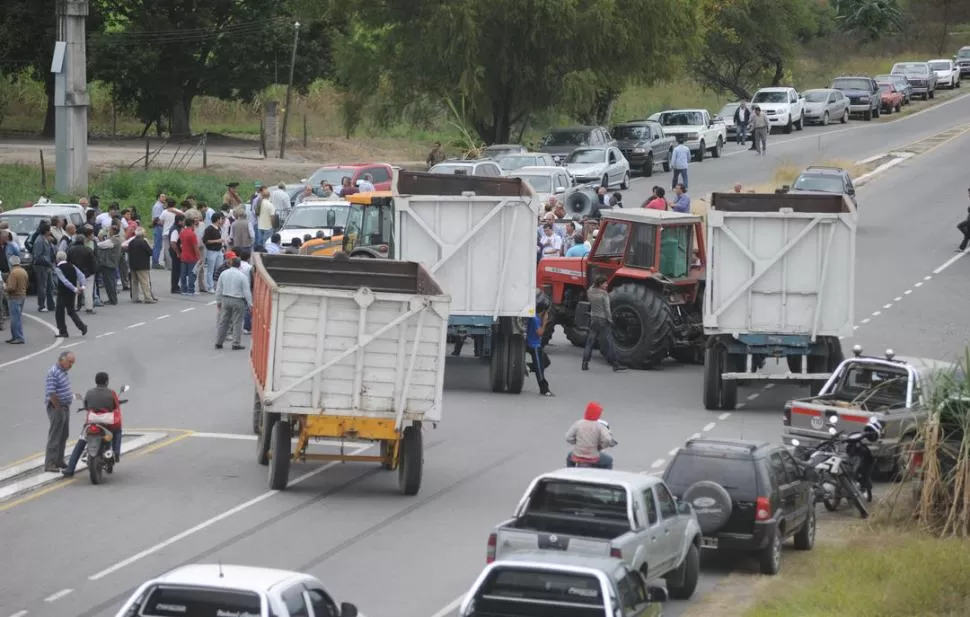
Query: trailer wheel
[
  {"x": 410, "y": 460},
  {"x": 643, "y": 325},
  {"x": 257, "y": 413},
  {"x": 264, "y": 436},
  {"x": 279, "y": 465},
  {"x": 515, "y": 377},
  {"x": 498, "y": 366},
  {"x": 712, "y": 379},
  {"x": 729, "y": 388}
]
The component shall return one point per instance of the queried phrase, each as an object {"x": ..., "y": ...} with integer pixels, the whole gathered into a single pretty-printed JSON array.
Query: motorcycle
[
  {"x": 98, "y": 451},
  {"x": 841, "y": 469},
  {"x": 592, "y": 463}
]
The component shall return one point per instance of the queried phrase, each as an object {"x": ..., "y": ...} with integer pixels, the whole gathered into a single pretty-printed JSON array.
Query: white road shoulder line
[
  {"x": 57, "y": 343},
  {"x": 54, "y": 597},
  {"x": 20, "y": 614},
  {"x": 949, "y": 262},
  {"x": 186, "y": 310},
  {"x": 709, "y": 426},
  {"x": 212, "y": 521},
  {"x": 74, "y": 344},
  {"x": 136, "y": 325},
  {"x": 161, "y": 317}
]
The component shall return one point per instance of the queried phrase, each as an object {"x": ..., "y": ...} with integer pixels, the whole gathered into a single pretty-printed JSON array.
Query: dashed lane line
[
  {"x": 724, "y": 416},
  {"x": 876, "y": 313},
  {"x": 20, "y": 614},
  {"x": 136, "y": 325},
  {"x": 753, "y": 396},
  {"x": 54, "y": 597},
  {"x": 161, "y": 317},
  {"x": 188, "y": 310},
  {"x": 709, "y": 427}
]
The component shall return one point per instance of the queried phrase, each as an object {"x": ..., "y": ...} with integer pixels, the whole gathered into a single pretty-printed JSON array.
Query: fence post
[
  {"x": 43, "y": 173},
  {"x": 205, "y": 148},
  {"x": 147, "y": 152}
]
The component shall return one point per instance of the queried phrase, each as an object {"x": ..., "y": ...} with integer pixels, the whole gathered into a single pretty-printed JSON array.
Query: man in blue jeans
[
  {"x": 98, "y": 398},
  {"x": 533, "y": 340},
  {"x": 157, "y": 229}
]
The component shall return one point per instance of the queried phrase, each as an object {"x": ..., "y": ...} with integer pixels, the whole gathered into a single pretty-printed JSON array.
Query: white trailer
[
  {"x": 352, "y": 350},
  {"x": 477, "y": 237},
  {"x": 780, "y": 284}
]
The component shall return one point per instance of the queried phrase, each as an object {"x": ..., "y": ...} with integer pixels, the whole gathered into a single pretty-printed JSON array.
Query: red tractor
[{"x": 655, "y": 262}]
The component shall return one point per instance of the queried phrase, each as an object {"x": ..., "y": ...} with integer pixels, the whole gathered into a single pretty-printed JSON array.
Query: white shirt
[
  {"x": 168, "y": 219},
  {"x": 247, "y": 268},
  {"x": 266, "y": 211},
  {"x": 551, "y": 245},
  {"x": 103, "y": 219},
  {"x": 365, "y": 187},
  {"x": 280, "y": 199}
]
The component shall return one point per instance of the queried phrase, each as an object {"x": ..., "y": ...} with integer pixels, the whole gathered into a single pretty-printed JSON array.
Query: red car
[
  {"x": 380, "y": 172},
  {"x": 892, "y": 99}
]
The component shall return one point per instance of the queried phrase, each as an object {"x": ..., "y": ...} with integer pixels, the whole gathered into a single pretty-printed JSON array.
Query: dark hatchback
[{"x": 749, "y": 497}]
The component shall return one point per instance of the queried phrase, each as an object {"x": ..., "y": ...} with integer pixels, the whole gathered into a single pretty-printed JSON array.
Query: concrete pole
[
  {"x": 289, "y": 91},
  {"x": 71, "y": 97}
]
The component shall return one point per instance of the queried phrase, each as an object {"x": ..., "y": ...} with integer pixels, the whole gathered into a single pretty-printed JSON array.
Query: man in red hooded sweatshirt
[{"x": 589, "y": 437}]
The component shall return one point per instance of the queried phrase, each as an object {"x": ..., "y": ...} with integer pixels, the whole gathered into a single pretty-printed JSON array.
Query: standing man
[
  {"x": 266, "y": 215},
  {"x": 232, "y": 198},
  {"x": 281, "y": 200},
  {"x": 167, "y": 220},
  {"x": 533, "y": 339},
  {"x": 188, "y": 255},
  {"x": 42, "y": 252},
  {"x": 70, "y": 284},
  {"x": 174, "y": 252},
  {"x": 57, "y": 398},
  {"x": 679, "y": 159},
  {"x": 16, "y": 289},
  {"x": 435, "y": 156},
  {"x": 681, "y": 200},
  {"x": 139, "y": 256},
  {"x": 742, "y": 117},
  {"x": 109, "y": 257},
  {"x": 212, "y": 241},
  {"x": 233, "y": 300},
  {"x": 82, "y": 256},
  {"x": 158, "y": 232},
  {"x": 600, "y": 323},
  {"x": 760, "y": 128}
]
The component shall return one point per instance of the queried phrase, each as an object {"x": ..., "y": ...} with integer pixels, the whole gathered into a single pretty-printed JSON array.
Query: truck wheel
[
  {"x": 687, "y": 575},
  {"x": 279, "y": 465},
  {"x": 667, "y": 162},
  {"x": 515, "y": 377},
  {"x": 263, "y": 438},
  {"x": 699, "y": 157},
  {"x": 648, "y": 166},
  {"x": 643, "y": 325},
  {"x": 801, "y": 122},
  {"x": 257, "y": 413},
  {"x": 576, "y": 336},
  {"x": 729, "y": 387},
  {"x": 770, "y": 557},
  {"x": 716, "y": 152},
  {"x": 498, "y": 362},
  {"x": 410, "y": 460},
  {"x": 788, "y": 127}
]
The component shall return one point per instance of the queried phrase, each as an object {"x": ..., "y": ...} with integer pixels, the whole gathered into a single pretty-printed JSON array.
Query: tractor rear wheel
[
  {"x": 643, "y": 326},
  {"x": 576, "y": 335}
]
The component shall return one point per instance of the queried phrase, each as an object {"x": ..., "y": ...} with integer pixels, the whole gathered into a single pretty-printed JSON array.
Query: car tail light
[
  {"x": 916, "y": 460},
  {"x": 762, "y": 508},
  {"x": 490, "y": 553},
  {"x": 616, "y": 552}
]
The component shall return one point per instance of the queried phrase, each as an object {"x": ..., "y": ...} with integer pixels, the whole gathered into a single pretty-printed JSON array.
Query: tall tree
[
  {"x": 159, "y": 55},
  {"x": 870, "y": 18}
]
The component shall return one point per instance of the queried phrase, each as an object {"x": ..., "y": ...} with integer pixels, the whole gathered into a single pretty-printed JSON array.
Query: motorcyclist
[
  {"x": 589, "y": 437},
  {"x": 99, "y": 398}
]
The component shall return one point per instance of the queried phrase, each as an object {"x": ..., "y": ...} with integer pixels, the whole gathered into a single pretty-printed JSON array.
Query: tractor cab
[{"x": 370, "y": 225}]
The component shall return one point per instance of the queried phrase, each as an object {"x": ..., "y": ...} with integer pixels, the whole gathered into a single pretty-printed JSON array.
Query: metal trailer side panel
[
  {"x": 780, "y": 273},
  {"x": 478, "y": 248},
  {"x": 263, "y": 341},
  {"x": 359, "y": 353}
]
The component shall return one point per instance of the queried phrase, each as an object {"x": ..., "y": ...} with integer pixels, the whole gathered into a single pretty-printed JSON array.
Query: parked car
[
  {"x": 727, "y": 115},
  {"x": 644, "y": 144},
  {"x": 24, "y": 221},
  {"x": 900, "y": 82},
  {"x": 606, "y": 166},
  {"x": 947, "y": 72},
  {"x": 316, "y": 215},
  {"x": 481, "y": 167},
  {"x": 216, "y": 589},
  {"x": 333, "y": 174},
  {"x": 890, "y": 98},
  {"x": 863, "y": 94},
  {"x": 496, "y": 151},
  {"x": 824, "y": 179},
  {"x": 920, "y": 77},
  {"x": 824, "y": 105},
  {"x": 749, "y": 496},
  {"x": 962, "y": 58},
  {"x": 701, "y": 133},
  {"x": 511, "y": 162},
  {"x": 560, "y": 142},
  {"x": 547, "y": 181},
  {"x": 783, "y": 106}
]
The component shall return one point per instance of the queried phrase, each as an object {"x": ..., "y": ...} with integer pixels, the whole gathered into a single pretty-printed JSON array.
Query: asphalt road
[{"x": 80, "y": 550}]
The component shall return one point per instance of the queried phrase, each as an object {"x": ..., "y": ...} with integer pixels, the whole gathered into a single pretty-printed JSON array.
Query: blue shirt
[
  {"x": 578, "y": 250},
  {"x": 532, "y": 338},
  {"x": 681, "y": 204},
  {"x": 157, "y": 210},
  {"x": 680, "y": 157},
  {"x": 58, "y": 383}
]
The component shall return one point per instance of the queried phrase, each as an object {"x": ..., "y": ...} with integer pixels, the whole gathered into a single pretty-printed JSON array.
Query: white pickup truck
[
  {"x": 785, "y": 107},
  {"x": 701, "y": 132}
]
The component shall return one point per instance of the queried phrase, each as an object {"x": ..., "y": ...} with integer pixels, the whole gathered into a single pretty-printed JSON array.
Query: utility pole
[
  {"x": 289, "y": 89},
  {"x": 71, "y": 97}
]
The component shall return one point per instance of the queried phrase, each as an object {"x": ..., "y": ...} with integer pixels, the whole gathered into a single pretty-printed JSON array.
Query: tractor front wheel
[{"x": 643, "y": 325}]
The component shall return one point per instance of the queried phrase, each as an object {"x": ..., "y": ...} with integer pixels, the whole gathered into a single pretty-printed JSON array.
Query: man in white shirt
[
  {"x": 167, "y": 219},
  {"x": 366, "y": 185},
  {"x": 264, "y": 218},
  {"x": 551, "y": 242},
  {"x": 280, "y": 199},
  {"x": 679, "y": 159},
  {"x": 104, "y": 219},
  {"x": 157, "y": 232}
]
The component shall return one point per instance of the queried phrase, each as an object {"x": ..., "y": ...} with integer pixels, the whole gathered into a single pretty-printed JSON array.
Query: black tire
[
  {"x": 699, "y": 157},
  {"x": 769, "y": 558},
  {"x": 712, "y": 379},
  {"x": 625, "y": 182},
  {"x": 410, "y": 460},
  {"x": 263, "y": 438},
  {"x": 605, "y": 181},
  {"x": 648, "y": 166},
  {"x": 805, "y": 538},
  {"x": 498, "y": 363},
  {"x": 835, "y": 357},
  {"x": 667, "y": 162},
  {"x": 257, "y": 413},
  {"x": 855, "y": 497},
  {"x": 790, "y": 126},
  {"x": 845, "y": 117},
  {"x": 95, "y": 469},
  {"x": 825, "y": 119},
  {"x": 576, "y": 335},
  {"x": 712, "y": 503},
  {"x": 867, "y": 116},
  {"x": 716, "y": 152},
  {"x": 279, "y": 464},
  {"x": 801, "y": 122},
  {"x": 688, "y": 355},
  {"x": 794, "y": 364},
  {"x": 691, "y": 571},
  {"x": 515, "y": 376},
  {"x": 642, "y": 325},
  {"x": 386, "y": 452}
]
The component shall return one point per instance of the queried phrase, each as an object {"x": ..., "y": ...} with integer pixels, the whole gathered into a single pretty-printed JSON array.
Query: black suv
[{"x": 748, "y": 496}]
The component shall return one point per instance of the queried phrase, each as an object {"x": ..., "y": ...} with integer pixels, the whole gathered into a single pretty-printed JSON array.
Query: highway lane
[{"x": 367, "y": 536}]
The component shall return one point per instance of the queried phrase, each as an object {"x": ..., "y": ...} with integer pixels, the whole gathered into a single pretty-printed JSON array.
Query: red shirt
[
  {"x": 190, "y": 245},
  {"x": 657, "y": 203}
]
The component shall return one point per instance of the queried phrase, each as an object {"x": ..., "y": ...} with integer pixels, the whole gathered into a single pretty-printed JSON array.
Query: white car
[
  {"x": 243, "y": 591},
  {"x": 783, "y": 106},
  {"x": 547, "y": 181},
  {"x": 699, "y": 131},
  {"x": 329, "y": 216},
  {"x": 947, "y": 72},
  {"x": 606, "y": 166}
]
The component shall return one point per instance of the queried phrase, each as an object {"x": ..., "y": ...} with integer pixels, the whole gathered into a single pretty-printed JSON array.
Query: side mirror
[
  {"x": 124, "y": 388},
  {"x": 657, "y": 594},
  {"x": 348, "y": 610},
  {"x": 850, "y": 192}
]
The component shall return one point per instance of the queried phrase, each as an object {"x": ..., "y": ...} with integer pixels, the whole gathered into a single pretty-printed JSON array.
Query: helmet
[
  {"x": 542, "y": 302},
  {"x": 873, "y": 429}
]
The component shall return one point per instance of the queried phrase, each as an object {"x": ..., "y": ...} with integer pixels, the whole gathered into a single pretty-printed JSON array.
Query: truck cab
[
  {"x": 654, "y": 261},
  {"x": 370, "y": 225}
]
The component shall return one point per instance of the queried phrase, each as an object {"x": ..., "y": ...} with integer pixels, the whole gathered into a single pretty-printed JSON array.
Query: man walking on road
[
  {"x": 742, "y": 117},
  {"x": 964, "y": 227},
  {"x": 42, "y": 252},
  {"x": 600, "y": 323},
  {"x": 233, "y": 299},
  {"x": 139, "y": 258},
  {"x": 70, "y": 284},
  {"x": 679, "y": 159},
  {"x": 16, "y": 289},
  {"x": 57, "y": 398},
  {"x": 759, "y": 130},
  {"x": 158, "y": 232}
]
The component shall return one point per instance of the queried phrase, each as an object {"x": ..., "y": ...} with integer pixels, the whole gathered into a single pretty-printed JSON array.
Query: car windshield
[
  {"x": 631, "y": 132},
  {"x": 566, "y": 138},
  {"x": 964, "y": 53},
  {"x": 770, "y": 97},
  {"x": 727, "y": 112},
  {"x": 911, "y": 68},
  {"x": 445, "y": 168},
  {"x": 317, "y": 217},
  {"x": 851, "y": 84},
  {"x": 601, "y": 501},
  {"x": 520, "y": 584},
  {"x": 515, "y": 161},
  {"x": 816, "y": 96},
  {"x": 587, "y": 156},
  {"x": 940, "y": 66},
  {"x": 495, "y": 151},
  {"x": 541, "y": 184},
  {"x": 177, "y": 601},
  {"x": 734, "y": 474},
  {"x": 23, "y": 224},
  {"x": 682, "y": 118},
  {"x": 329, "y": 175},
  {"x": 823, "y": 183},
  {"x": 886, "y": 88}
]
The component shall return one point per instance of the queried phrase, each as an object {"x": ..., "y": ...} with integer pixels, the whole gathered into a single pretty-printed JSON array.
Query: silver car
[
  {"x": 825, "y": 105},
  {"x": 511, "y": 162},
  {"x": 607, "y": 166},
  {"x": 547, "y": 181}
]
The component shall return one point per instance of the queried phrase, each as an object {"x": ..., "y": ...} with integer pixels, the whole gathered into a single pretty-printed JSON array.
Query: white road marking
[
  {"x": 907, "y": 292},
  {"x": 897, "y": 298},
  {"x": 739, "y": 406},
  {"x": 657, "y": 463},
  {"x": 75, "y": 344},
  {"x": 753, "y": 396},
  {"x": 54, "y": 597},
  {"x": 213, "y": 303},
  {"x": 769, "y": 386},
  {"x": 186, "y": 310},
  {"x": 104, "y": 335},
  {"x": 20, "y": 614},
  {"x": 212, "y": 521},
  {"x": 876, "y": 313},
  {"x": 695, "y": 436},
  {"x": 57, "y": 343},
  {"x": 949, "y": 262},
  {"x": 866, "y": 320},
  {"x": 928, "y": 277},
  {"x": 920, "y": 284},
  {"x": 855, "y": 327},
  {"x": 887, "y": 306},
  {"x": 136, "y": 325},
  {"x": 245, "y": 437},
  {"x": 161, "y": 317},
  {"x": 709, "y": 426},
  {"x": 673, "y": 452},
  {"x": 724, "y": 416}
]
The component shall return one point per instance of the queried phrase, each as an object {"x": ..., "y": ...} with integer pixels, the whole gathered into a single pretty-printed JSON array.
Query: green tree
[
  {"x": 870, "y": 18},
  {"x": 159, "y": 55},
  {"x": 750, "y": 43},
  {"x": 510, "y": 59}
]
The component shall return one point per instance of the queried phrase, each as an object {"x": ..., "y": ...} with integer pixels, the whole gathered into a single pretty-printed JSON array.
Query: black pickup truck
[{"x": 644, "y": 145}]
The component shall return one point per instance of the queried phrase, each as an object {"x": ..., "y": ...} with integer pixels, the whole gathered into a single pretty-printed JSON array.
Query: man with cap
[
  {"x": 589, "y": 437},
  {"x": 232, "y": 198},
  {"x": 16, "y": 290}
]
